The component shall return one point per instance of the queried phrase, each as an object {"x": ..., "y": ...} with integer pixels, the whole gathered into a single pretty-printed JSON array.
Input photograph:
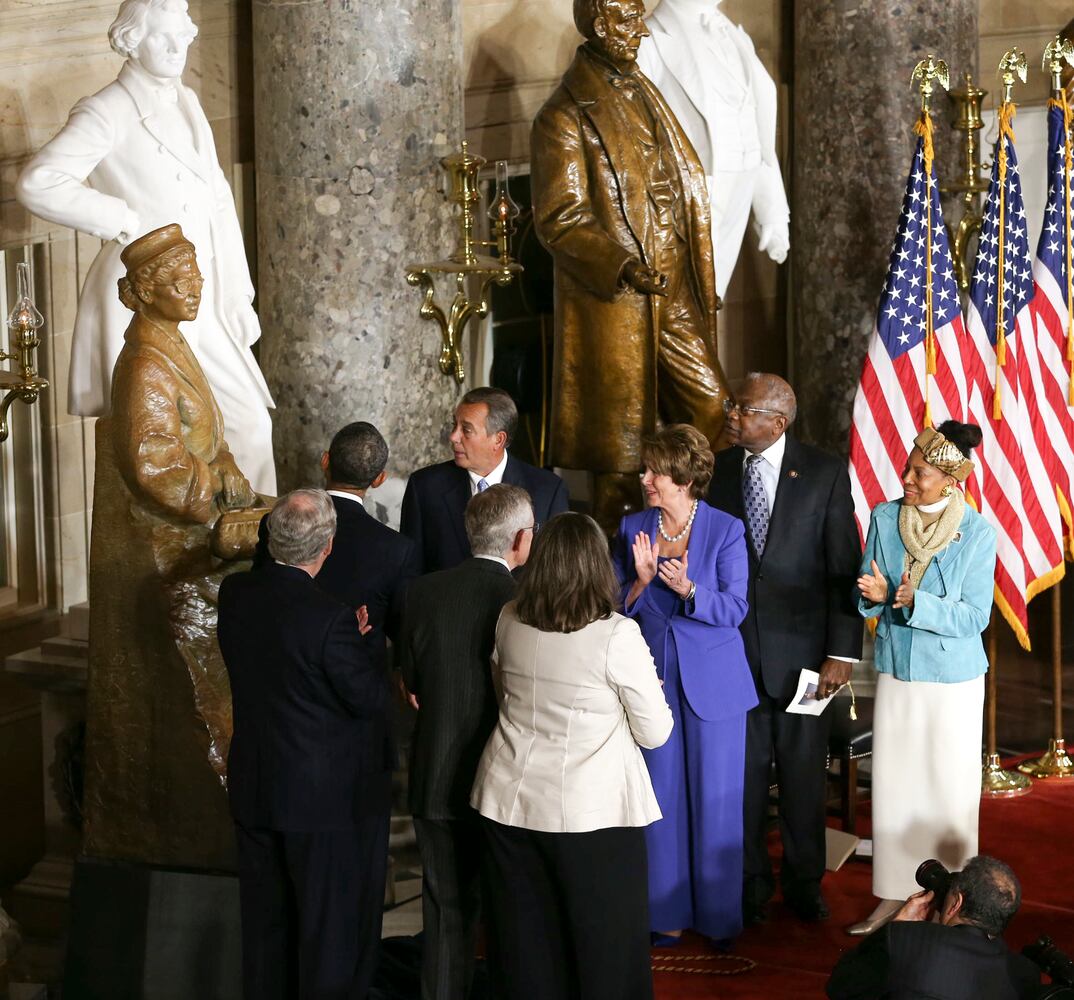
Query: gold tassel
[
  {"x": 853, "y": 703},
  {"x": 997, "y": 409}
]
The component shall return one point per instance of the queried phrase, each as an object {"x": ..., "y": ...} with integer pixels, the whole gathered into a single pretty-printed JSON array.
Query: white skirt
[{"x": 926, "y": 778}]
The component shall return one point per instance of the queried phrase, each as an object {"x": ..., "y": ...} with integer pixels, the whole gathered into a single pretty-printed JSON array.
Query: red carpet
[{"x": 1030, "y": 833}]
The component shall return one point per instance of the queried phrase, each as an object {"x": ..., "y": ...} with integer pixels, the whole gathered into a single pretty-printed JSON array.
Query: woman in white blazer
[{"x": 562, "y": 786}]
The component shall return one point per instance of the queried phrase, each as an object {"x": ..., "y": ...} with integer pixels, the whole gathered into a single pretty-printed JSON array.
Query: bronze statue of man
[{"x": 620, "y": 201}]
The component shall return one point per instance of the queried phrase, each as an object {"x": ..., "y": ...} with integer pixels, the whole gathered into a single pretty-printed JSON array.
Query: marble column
[
  {"x": 354, "y": 104},
  {"x": 853, "y": 112}
]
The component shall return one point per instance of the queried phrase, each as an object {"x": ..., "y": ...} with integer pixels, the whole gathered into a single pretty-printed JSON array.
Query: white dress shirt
[
  {"x": 496, "y": 559},
  {"x": 345, "y": 496},
  {"x": 769, "y": 469},
  {"x": 493, "y": 478}
]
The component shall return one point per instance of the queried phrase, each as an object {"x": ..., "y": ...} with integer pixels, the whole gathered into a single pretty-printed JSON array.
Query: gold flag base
[
  {"x": 1056, "y": 763},
  {"x": 999, "y": 784}
]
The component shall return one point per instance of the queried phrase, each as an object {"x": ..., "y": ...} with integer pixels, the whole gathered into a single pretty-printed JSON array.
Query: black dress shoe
[{"x": 807, "y": 905}]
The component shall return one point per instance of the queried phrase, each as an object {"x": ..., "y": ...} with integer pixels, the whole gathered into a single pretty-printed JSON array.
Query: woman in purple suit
[{"x": 683, "y": 569}]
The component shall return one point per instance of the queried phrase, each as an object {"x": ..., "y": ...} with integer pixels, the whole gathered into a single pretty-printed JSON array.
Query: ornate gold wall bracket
[
  {"x": 969, "y": 184},
  {"x": 24, "y": 321},
  {"x": 464, "y": 264}
]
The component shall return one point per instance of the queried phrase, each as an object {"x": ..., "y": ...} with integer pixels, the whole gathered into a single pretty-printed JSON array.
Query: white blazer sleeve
[
  {"x": 631, "y": 673},
  {"x": 53, "y": 186}
]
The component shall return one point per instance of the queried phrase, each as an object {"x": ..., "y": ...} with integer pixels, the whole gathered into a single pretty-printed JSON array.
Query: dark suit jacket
[
  {"x": 802, "y": 593},
  {"x": 311, "y": 748},
  {"x": 435, "y": 501},
  {"x": 444, "y": 651},
  {"x": 918, "y": 959},
  {"x": 370, "y": 564}
]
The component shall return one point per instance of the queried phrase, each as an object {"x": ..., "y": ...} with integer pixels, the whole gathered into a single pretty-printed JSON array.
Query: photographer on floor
[{"x": 960, "y": 956}]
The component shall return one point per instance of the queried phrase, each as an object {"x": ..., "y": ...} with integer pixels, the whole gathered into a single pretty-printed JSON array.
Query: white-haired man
[
  {"x": 135, "y": 156},
  {"x": 309, "y": 770},
  {"x": 445, "y": 644}
]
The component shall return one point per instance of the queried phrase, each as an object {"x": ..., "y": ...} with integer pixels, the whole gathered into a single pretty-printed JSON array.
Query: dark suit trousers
[
  {"x": 569, "y": 913},
  {"x": 312, "y": 905},
  {"x": 800, "y": 746},
  {"x": 451, "y": 851}
]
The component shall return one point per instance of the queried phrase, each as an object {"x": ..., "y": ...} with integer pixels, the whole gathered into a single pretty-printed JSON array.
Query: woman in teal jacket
[{"x": 927, "y": 580}]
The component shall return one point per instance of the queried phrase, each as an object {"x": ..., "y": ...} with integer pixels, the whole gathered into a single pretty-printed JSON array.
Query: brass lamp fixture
[
  {"x": 970, "y": 184},
  {"x": 463, "y": 168},
  {"x": 23, "y": 321}
]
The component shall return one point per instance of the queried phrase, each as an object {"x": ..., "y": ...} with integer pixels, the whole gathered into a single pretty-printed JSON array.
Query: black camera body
[
  {"x": 933, "y": 875},
  {"x": 1051, "y": 961}
]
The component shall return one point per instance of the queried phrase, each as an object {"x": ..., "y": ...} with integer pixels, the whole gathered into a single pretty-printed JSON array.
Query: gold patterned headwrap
[{"x": 943, "y": 454}]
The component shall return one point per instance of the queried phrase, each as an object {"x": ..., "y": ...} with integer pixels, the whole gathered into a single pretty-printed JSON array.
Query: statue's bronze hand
[
  {"x": 644, "y": 279},
  {"x": 234, "y": 486}
]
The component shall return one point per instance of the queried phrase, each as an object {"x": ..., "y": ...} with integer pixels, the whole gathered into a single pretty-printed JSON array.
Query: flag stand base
[
  {"x": 1056, "y": 763},
  {"x": 997, "y": 783}
]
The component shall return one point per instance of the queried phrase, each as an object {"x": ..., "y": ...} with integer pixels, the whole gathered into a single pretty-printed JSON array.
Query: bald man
[{"x": 804, "y": 553}]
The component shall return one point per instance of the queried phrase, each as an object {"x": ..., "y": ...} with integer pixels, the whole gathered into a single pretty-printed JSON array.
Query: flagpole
[
  {"x": 996, "y": 782},
  {"x": 1056, "y": 762}
]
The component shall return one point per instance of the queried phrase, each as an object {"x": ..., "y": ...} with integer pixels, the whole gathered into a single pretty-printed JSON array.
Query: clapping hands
[
  {"x": 673, "y": 573},
  {"x": 646, "y": 558},
  {"x": 873, "y": 586}
]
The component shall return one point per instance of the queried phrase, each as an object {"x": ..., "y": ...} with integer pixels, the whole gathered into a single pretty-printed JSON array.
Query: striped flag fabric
[
  {"x": 1053, "y": 312},
  {"x": 912, "y": 376},
  {"x": 1014, "y": 491}
]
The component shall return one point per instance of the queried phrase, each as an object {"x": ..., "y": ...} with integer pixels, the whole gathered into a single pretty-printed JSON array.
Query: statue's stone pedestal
[
  {"x": 139, "y": 931},
  {"x": 57, "y": 669}
]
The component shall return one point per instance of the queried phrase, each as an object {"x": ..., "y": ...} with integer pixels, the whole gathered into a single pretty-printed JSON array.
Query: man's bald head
[
  {"x": 776, "y": 393},
  {"x": 765, "y": 408}
]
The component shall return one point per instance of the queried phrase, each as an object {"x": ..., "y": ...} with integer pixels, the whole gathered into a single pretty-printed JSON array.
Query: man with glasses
[
  {"x": 445, "y": 645},
  {"x": 804, "y": 552}
]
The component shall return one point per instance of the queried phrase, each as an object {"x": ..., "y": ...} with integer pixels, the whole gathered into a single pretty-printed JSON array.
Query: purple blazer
[{"x": 716, "y": 677}]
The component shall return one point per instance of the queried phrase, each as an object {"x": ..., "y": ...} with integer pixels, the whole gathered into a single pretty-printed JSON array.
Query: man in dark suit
[
  {"x": 444, "y": 648},
  {"x": 309, "y": 770},
  {"x": 962, "y": 957},
  {"x": 804, "y": 553},
  {"x": 436, "y": 496},
  {"x": 370, "y": 564}
]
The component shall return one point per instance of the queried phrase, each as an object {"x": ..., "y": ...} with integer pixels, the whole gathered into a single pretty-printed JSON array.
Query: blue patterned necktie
[
  {"x": 756, "y": 503},
  {"x": 482, "y": 485}
]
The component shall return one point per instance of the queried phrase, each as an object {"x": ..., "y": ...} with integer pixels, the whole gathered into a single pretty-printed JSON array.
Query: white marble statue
[
  {"x": 135, "y": 156},
  {"x": 708, "y": 72}
]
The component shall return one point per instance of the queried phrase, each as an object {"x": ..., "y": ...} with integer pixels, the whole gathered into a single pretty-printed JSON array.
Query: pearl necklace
[{"x": 682, "y": 534}]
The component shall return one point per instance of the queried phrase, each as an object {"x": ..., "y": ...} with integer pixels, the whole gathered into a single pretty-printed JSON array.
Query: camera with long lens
[
  {"x": 933, "y": 875},
  {"x": 1057, "y": 965}
]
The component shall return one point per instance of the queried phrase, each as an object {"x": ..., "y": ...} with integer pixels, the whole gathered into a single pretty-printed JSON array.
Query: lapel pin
[{"x": 793, "y": 473}]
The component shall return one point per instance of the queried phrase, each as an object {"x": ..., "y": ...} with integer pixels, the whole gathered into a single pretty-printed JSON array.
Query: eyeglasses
[
  {"x": 535, "y": 527},
  {"x": 187, "y": 285},
  {"x": 729, "y": 407}
]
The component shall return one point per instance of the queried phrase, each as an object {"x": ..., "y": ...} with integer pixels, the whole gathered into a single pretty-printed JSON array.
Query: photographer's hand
[{"x": 917, "y": 907}]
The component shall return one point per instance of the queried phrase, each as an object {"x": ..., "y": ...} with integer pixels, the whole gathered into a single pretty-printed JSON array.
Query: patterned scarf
[{"x": 923, "y": 542}]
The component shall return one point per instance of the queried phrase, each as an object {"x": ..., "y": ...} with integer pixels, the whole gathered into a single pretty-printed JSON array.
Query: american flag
[
  {"x": 1015, "y": 493},
  {"x": 1052, "y": 309},
  {"x": 890, "y": 404}
]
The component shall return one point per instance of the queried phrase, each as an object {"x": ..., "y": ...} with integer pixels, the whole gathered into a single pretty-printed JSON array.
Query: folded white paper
[{"x": 805, "y": 701}]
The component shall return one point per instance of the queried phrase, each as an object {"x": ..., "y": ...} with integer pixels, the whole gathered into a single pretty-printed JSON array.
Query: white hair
[
  {"x": 129, "y": 27},
  {"x": 300, "y": 526}
]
